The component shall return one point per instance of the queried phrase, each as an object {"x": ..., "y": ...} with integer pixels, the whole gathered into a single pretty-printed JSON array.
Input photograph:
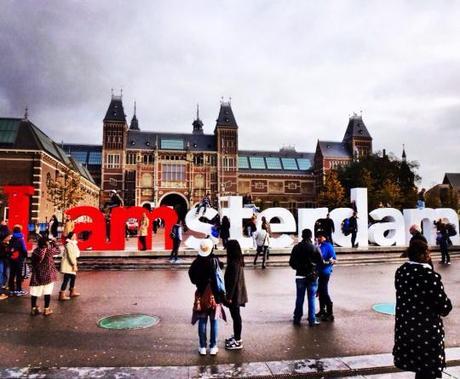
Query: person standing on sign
[{"x": 208, "y": 300}]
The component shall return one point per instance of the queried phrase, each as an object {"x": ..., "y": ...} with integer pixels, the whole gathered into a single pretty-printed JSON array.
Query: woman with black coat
[
  {"x": 420, "y": 304},
  {"x": 236, "y": 292},
  {"x": 208, "y": 301}
]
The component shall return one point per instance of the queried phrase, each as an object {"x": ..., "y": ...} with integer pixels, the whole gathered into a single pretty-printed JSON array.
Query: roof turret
[
  {"x": 226, "y": 118},
  {"x": 115, "y": 112},
  {"x": 356, "y": 129}
]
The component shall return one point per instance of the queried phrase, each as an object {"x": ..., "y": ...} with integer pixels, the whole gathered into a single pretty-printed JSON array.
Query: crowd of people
[
  {"x": 14, "y": 267},
  {"x": 421, "y": 301}
]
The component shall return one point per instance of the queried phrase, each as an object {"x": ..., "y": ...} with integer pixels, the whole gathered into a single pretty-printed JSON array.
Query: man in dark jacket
[
  {"x": 354, "y": 229},
  {"x": 304, "y": 259}
]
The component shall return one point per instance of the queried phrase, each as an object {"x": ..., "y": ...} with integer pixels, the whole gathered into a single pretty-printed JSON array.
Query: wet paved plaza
[{"x": 71, "y": 337}]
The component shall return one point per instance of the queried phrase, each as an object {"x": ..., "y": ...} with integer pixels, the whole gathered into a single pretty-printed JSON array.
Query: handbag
[
  {"x": 204, "y": 301},
  {"x": 219, "y": 280}
]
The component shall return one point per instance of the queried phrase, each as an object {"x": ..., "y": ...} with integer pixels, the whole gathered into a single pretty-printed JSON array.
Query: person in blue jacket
[
  {"x": 325, "y": 271},
  {"x": 17, "y": 254}
]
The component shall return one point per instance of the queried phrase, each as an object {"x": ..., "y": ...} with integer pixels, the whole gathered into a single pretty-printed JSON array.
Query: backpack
[
  {"x": 346, "y": 227},
  {"x": 215, "y": 232},
  {"x": 13, "y": 254},
  {"x": 451, "y": 231},
  {"x": 204, "y": 301}
]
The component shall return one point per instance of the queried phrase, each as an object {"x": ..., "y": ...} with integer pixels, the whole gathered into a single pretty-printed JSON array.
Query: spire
[
  {"x": 134, "y": 122},
  {"x": 404, "y": 156},
  {"x": 26, "y": 114},
  {"x": 197, "y": 124},
  {"x": 115, "y": 111}
]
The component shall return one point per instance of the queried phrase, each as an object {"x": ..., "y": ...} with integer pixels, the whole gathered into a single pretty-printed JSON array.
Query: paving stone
[
  {"x": 307, "y": 366},
  {"x": 242, "y": 370},
  {"x": 393, "y": 375},
  {"x": 368, "y": 361},
  {"x": 453, "y": 354},
  {"x": 304, "y": 366},
  {"x": 453, "y": 372}
]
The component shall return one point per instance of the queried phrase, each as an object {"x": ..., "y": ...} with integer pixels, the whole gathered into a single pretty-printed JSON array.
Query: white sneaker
[
  {"x": 202, "y": 350},
  {"x": 214, "y": 350}
]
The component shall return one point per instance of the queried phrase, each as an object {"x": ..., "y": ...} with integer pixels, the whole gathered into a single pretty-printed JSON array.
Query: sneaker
[
  {"x": 228, "y": 340},
  {"x": 234, "y": 345},
  {"x": 13, "y": 293},
  {"x": 202, "y": 350},
  {"x": 314, "y": 323},
  {"x": 449, "y": 263},
  {"x": 21, "y": 293},
  {"x": 3, "y": 296},
  {"x": 178, "y": 260},
  {"x": 213, "y": 350},
  {"x": 296, "y": 322}
]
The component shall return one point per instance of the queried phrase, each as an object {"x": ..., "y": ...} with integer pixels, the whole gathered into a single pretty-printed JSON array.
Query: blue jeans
[
  {"x": 3, "y": 273},
  {"x": 310, "y": 287},
  {"x": 202, "y": 332}
]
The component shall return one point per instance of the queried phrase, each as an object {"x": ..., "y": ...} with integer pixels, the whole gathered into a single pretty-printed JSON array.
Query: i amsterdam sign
[{"x": 390, "y": 227}]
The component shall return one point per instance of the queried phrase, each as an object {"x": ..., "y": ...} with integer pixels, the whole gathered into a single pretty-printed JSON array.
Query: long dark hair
[
  {"x": 418, "y": 251},
  {"x": 42, "y": 242},
  {"x": 234, "y": 253}
]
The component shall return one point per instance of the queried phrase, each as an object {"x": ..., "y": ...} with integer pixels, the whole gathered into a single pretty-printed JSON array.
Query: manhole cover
[
  {"x": 132, "y": 321},
  {"x": 385, "y": 308}
]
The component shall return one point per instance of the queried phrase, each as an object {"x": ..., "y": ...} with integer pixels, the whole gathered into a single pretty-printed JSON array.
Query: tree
[
  {"x": 390, "y": 193},
  {"x": 387, "y": 179},
  {"x": 333, "y": 194},
  {"x": 65, "y": 191}
]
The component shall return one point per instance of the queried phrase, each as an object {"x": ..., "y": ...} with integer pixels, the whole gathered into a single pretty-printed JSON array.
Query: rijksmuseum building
[{"x": 177, "y": 169}]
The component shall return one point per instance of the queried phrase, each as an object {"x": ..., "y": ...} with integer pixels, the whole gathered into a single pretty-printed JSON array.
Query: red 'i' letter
[{"x": 18, "y": 204}]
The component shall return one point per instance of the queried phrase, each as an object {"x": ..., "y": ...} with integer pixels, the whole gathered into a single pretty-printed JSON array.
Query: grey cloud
[{"x": 295, "y": 70}]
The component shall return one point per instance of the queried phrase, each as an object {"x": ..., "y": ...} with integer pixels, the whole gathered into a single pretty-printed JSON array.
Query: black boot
[
  {"x": 322, "y": 311},
  {"x": 329, "y": 316}
]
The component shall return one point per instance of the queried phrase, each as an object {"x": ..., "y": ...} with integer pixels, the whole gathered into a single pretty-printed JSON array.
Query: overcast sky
[{"x": 295, "y": 70}]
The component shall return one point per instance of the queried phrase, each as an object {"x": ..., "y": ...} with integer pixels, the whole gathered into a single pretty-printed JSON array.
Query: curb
[{"x": 311, "y": 368}]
